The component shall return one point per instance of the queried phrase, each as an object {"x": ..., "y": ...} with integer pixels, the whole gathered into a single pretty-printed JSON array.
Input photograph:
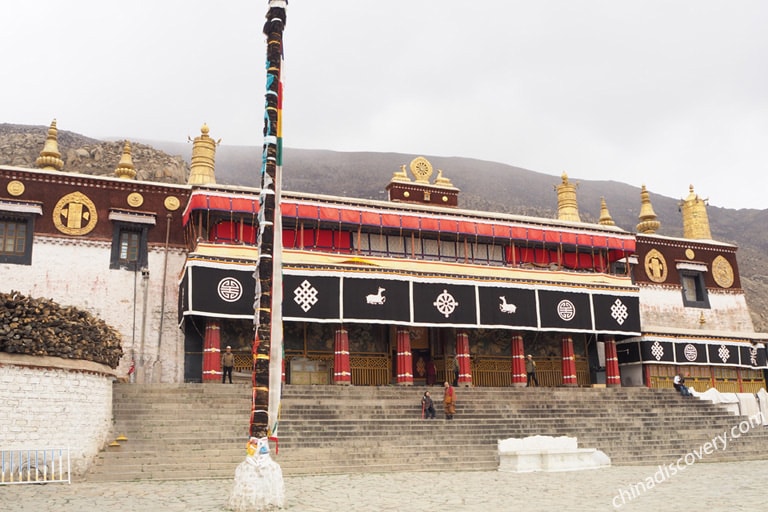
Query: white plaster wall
[
  {"x": 76, "y": 272},
  {"x": 663, "y": 306},
  {"x": 55, "y": 408}
]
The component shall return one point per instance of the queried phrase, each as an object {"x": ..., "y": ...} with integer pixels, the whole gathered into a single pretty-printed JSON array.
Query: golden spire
[
  {"x": 50, "y": 158},
  {"x": 695, "y": 220},
  {"x": 567, "y": 206},
  {"x": 203, "y": 157},
  {"x": 605, "y": 215},
  {"x": 125, "y": 169},
  {"x": 648, "y": 223}
]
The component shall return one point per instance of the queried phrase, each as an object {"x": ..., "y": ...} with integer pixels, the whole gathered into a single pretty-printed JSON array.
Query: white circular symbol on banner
[
  {"x": 690, "y": 352},
  {"x": 230, "y": 289},
  {"x": 566, "y": 310}
]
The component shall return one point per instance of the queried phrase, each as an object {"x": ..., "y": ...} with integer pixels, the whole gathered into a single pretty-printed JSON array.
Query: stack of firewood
[{"x": 41, "y": 327}]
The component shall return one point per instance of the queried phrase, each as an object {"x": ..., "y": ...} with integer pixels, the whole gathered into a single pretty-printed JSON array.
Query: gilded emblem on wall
[
  {"x": 722, "y": 272},
  {"x": 135, "y": 199},
  {"x": 655, "y": 266},
  {"x": 15, "y": 188},
  {"x": 75, "y": 214},
  {"x": 172, "y": 203},
  {"x": 690, "y": 254}
]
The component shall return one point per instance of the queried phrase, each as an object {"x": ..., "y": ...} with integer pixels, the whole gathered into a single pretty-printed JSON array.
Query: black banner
[
  {"x": 616, "y": 313},
  {"x": 510, "y": 307},
  {"x": 723, "y": 354},
  {"x": 657, "y": 351},
  {"x": 225, "y": 292},
  {"x": 753, "y": 356},
  {"x": 628, "y": 353},
  {"x": 312, "y": 298},
  {"x": 565, "y": 311},
  {"x": 376, "y": 299},
  {"x": 451, "y": 304},
  {"x": 691, "y": 353}
]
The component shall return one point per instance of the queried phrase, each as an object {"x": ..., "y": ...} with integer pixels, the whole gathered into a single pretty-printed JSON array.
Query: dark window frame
[
  {"x": 702, "y": 296},
  {"x": 142, "y": 257},
  {"x": 28, "y": 220}
]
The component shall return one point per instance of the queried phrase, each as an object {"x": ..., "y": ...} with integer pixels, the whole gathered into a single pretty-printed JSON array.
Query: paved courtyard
[{"x": 701, "y": 486}]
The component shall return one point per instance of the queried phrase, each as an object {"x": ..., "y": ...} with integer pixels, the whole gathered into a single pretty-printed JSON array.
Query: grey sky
[{"x": 665, "y": 93}]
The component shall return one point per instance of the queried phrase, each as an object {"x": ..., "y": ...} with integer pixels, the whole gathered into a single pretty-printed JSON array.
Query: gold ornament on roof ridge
[
  {"x": 202, "y": 166},
  {"x": 567, "y": 205},
  {"x": 695, "y": 220},
  {"x": 125, "y": 169},
  {"x": 50, "y": 158},
  {"x": 421, "y": 169},
  {"x": 605, "y": 215},
  {"x": 648, "y": 224}
]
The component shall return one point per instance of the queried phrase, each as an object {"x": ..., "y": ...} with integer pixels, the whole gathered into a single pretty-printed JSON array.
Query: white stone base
[{"x": 546, "y": 453}]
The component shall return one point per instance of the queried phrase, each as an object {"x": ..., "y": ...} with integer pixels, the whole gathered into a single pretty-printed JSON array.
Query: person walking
[
  {"x": 449, "y": 401},
  {"x": 427, "y": 407},
  {"x": 227, "y": 363},
  {"x": 530, "y": 370}
]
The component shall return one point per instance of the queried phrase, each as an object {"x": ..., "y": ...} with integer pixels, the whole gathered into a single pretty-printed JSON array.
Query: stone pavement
[{"x": 701, "y": 486}]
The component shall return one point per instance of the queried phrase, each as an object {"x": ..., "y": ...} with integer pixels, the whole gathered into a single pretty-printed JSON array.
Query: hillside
[{"x": 484, "y": 186}]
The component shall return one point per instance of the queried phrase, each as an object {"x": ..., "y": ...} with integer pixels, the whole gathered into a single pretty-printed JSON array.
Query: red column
[
  {"x": 341, "y": 370},
  {"x": 519, "y": 376},
  {"x": 404, "y": 358},
  {"x": 212, "y": 352},
  {"x": 569, "y": 363},
  {"x": 612, "y": 377},
  {"x": 462, "y": 355}
]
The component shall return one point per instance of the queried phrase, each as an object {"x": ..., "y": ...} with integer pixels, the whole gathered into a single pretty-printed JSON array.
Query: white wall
[{"x": 53, "y": 407}]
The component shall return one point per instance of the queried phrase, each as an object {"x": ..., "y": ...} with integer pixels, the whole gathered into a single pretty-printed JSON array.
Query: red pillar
[
  {"x": 341, "y": 369},
  {"x": 404, "y": 358},
  {"x": 212, "y": 352},
  {"x": 612, "y": 377},
  {"x": 519, "y": 375},
  {"x": 569, "y": 362},
  {"x": 462, "y": 355}
]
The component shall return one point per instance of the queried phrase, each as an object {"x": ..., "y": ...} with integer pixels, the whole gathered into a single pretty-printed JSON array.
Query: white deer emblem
[
  {"x": 506, "y": 308},
  {"x": 377, "y": 298}
]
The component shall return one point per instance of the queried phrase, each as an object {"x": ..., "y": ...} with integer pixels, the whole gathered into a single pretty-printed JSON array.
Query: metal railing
[{"x": 35, "y": 466}]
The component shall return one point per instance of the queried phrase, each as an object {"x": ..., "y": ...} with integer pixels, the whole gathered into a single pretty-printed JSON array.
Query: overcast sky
[{"x": 664, "y": 93}]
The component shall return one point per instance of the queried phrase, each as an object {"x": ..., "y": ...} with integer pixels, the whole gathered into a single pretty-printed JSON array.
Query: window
[
  {"x": 694, "y": 291},
  {"x": 16, "y": 238},
  {"x": 129, "y": 239}
]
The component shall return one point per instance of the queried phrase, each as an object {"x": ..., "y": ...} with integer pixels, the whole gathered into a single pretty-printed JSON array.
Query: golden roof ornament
[
  {"x": 401, "y": 175},
  {"x": 442, "y": 181},
  {"x": 648, "y": 224},
  {"x": 50, "y": 158},
  {"x": 605, "y": 215},
  {"x": 567, "y": 206},
  {"x": 125, "y": 169},
  {"x": 203, "y": 158},
  {"x": 695, "y": 220}
]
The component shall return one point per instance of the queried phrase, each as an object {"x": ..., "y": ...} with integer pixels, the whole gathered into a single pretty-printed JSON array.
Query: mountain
[{"x": 484, "y": 185}]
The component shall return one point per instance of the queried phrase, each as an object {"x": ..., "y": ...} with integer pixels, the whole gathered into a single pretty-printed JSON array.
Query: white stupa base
[{"x": 546, "y": 453}]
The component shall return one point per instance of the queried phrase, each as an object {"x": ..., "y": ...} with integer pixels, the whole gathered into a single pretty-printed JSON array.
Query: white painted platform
[{"x": 547, "y": 453}]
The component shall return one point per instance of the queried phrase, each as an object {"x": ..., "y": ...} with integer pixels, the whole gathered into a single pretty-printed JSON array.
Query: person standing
[
  {"x": 427, "y": 406},
  {"x": 449, "y": 401},
  {"x": 227, "y": 363},
  {"x": 530, "y": 369}
]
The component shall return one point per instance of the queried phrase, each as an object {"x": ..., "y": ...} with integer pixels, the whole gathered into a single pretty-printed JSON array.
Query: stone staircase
[{"x": 199, "y": 430}]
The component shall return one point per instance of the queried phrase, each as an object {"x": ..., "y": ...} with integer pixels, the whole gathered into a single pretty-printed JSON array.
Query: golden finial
[
  {"x": 567, "y": 206},
  {"x": 695, "y": 220},
  {"x": 442, "y": 181},
  {"x": 125, "y": 169},
  {"x": 702, "y": 319},
  {"x": 50, "y": 158},
  {"x": 648, "y": 223},
  {"x": 605, "y": 215},
  {"x": 203, "y": 157},
  {"x": 400, "y": 175}
]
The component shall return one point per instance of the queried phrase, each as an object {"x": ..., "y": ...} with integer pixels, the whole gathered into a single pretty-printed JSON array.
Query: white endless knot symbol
[
  {"x": 657, "y": 350},
  {"x": 566, "y": 310},
  {"x": 445, "y": 303},
  {"x": 305, "y": 295},
  {"x": 690, "y": 352},
  {"x": 619, "y": 311},
  {"x": 230, "y": 289},
  {"x": 724, "y": 353}
]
